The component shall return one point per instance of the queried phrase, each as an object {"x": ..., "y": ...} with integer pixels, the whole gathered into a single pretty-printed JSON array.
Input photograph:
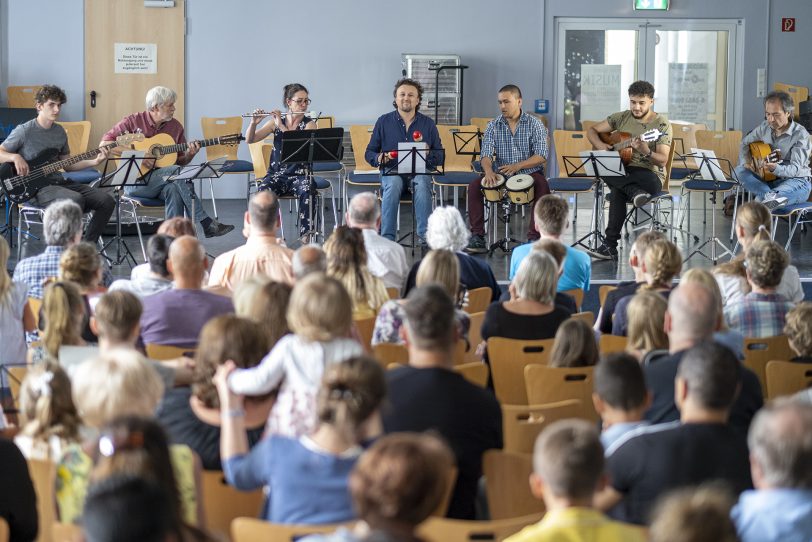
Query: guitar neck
[
  {"x": 53, "y": 167},
  {"x": 181, "y": 147},
  {"x": 623, "y": 144}
]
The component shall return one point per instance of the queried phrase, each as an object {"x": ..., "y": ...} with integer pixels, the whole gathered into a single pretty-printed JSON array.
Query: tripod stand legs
[{"x": 124, "y": 255}]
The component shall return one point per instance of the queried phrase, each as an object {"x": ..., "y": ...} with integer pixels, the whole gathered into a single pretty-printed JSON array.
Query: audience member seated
[
  {"x": 191, "y": 416},
  {"x": 693, "y": 514},
  {"x": 446, "y": 230},
  {"x": 702, "y": 447},
  {"x": 637, "y": 254},
  {"x": 175, "y": 317},
  {"x": 64, "y": 312},
  {"x": 347, "y": 262},
  {"x": 780, "y": 508},
  {"x": 263, "y": 252},
  {"x": 552, "y": 220},
  {"x": 308, "y": 259},
  {"x": 429, "y": 394},
  {"x": 568, "y": 468},
  {"x": 18, "y": 501},
  {"x": 386, "y": 259},
  {"x": 646, "y": 332},
  {"x": 395, "y": 486},
  {"x": 723, "y": 334},
  {"x": 690, "y": 320},
  {"x": 439, "y": 267},
  {"x": 320, "y": 317},
  {"x": 158, "y": 278},
  {"x": 620, "y": 397},
  {"x": 16, "y": 316},
  {"x": 762, "y": 312},
  {"x": 307, "y": 475},
  {"x": 173, "y": 227},
  {"x": 574, "y": 345},
  {"x": 753, "y": 223},
  {"x": 80, "y": 264},
  {"x": 266, "y": 303},
  {"x": 138, "y": 446},
  {"x": 798, "y": 330},
  {"x": 663, "y": 262},
  {"x": 558, "y": 251}
]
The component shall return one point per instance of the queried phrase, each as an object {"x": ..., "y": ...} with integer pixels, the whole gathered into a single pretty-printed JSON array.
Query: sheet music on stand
[
  {"x": 710, "y": 167},
  {"x": 603, "y": 164},
  {"x": 212, "y": 169},
  {"x": 128, "y": 172}
]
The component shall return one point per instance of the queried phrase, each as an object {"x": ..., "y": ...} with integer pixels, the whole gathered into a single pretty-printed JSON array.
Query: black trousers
[
  {"x": 624, "y": 189},
  {"x": 88, "y": 198}
]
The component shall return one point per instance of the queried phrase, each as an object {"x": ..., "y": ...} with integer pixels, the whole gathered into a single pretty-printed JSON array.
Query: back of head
[
  {"x": 693, "y": 312},
  {"x": 46, "y": 404},
  {"x": 446, "y": 230},
  {"x": 363, "y": 210},
  {"x": 643, "y": 241},
  {"x": 246, "y": 291},
  {"x": 663, "y": 262},
  {"x": 61, "y": 223},
  {"x": 320, "y": 308},
  {"x": 694, "y": 515},
  {"x": 401, "y": 479},
  {"x": 430, "y": 318},
  {"x": 798, "y": 328},
  {"x": 187, "y": 257},
  {"x": 537, "y": 278},
  {"x": 712, "y": 375},
  {"x": 158, "y": 254},
  {"x": 308, "y": 259},
  {"x": 441, "y": 267},
  {"x": 80, "y": 264},
  {"x": 350, "y": 392},
  {"x": 118, "y": 383},
  {"x": 554, "y": 248},
  {"x": 568, "y": 457},
  {"x": 574, "y": 345},
  {"x": 619, "y": 382},
  {"x": 226, "y": 337},
  {"x": 263, "y": 209},
  {"x": 646, "y": 315},
  {"x": 704, "y": 277},
  {"x": 766, "y": 262},
  {"x": 551, "y": 213},
  {"x": 177, "y": 226},
  {"x": 265, "y": 303},
  {"x": 117, "y": 314},
  {"x": 755, "y": 220},
  {"x": 780, "y": 441},
  {"x": 347, "y": 262},
  {"x": 63, "y": 309}
]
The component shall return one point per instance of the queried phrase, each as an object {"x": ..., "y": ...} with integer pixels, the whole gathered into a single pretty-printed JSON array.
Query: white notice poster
[
  {"x": 600, "y": 91},
  {"x": 135, "y": 58},
  {"x": 688, "y": 92}
]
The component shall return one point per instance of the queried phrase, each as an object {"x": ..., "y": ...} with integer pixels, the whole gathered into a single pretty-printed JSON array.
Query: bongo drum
[
  {"x": 496, "y": 192},
  {"x": 520, "y": 189}
]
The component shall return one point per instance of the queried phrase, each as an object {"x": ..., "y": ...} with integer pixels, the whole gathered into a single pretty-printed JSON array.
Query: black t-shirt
[
  {"x": 660, "y": 375},
  {"x": 183, "y": 427},
  {"x": 669, "y": 456},
  {"x": 565, "y": 301},
  {"x": 500, "y": 322},
  {"x": 18, "y": 502},
  {"x": 474, "y": 273},
  {"x": 468, "y": 418},
  {"x": 623, "y": 289}
]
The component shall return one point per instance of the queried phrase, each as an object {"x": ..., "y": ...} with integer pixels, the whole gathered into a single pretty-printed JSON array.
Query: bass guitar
[
  {"x": 21, "y": 188},
  {"x": 165, "y": 151},
  {"x": 762, "y": 154},
  {"x": 622, "y": 141}
]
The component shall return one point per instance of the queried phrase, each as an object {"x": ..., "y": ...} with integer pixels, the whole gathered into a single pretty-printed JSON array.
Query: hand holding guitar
[
  {"x": 640, "y": 146},
  {"x": 20, "y": 164}
]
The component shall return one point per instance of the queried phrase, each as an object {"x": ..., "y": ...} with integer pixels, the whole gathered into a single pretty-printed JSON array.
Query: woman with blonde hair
[
  {"x": 753, "y": 223},
  {"x": 15, "y": 314},
  {"x": 575, "y": 345},
  {"x": 63, "y": 314},
  {"x": 81, "y": 265},
  {"x": 646, "y": 328},
  {"x": 347, "y": 262},
  {"x": 266, "y": 302},
  {"x": 723, "y": 334}
]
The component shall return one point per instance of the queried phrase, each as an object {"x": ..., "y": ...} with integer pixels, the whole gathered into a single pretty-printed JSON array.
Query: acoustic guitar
[
  {"x": 21, "y": 188},
  {"x": 622, "y": 141},
  {"x": 165, "y": 151},
  {"x": 763, "y": 153}
]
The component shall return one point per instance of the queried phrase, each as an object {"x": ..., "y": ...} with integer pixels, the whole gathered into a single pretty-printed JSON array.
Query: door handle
[{"x": 92, "y": 98}]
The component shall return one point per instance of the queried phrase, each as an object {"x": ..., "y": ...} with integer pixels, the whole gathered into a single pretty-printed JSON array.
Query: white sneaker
[{"x": 772, "y": 200}]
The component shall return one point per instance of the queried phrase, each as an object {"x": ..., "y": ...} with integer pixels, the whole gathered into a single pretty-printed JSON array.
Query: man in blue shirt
[
  {"x": 404, "y": 124},
  {"x": 514, "y": 143}
]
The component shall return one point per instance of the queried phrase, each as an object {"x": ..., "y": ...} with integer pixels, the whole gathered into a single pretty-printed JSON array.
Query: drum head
[{"x": 520, "y": 182}]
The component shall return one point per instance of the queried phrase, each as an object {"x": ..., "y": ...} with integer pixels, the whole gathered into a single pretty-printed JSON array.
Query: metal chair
[{"x": 220, "y": 126}]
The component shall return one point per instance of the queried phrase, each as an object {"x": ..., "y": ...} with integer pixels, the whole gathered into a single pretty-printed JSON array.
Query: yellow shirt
[
  {"x": 578, "y": 525},
  {"x": 260, "y": 255}
]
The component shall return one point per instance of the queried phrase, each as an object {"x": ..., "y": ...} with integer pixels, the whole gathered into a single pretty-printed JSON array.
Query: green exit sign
[{"x": 651, "y": 4}]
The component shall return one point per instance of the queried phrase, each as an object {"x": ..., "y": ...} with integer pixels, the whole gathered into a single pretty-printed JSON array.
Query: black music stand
[
  {"x": 411, "y": 160},
  {"x": 127, "y": 172},
  {"x": 213, "y": 169},
  {"x": 304, "y": 148}
]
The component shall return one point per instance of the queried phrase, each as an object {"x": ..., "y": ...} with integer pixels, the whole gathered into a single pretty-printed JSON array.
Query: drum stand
[{"x": 503, "y": 243}]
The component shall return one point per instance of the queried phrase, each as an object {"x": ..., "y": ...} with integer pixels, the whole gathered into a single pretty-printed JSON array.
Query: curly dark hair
[
  {"x": 641, "y": 88},
  {"x": 50, "y": 92},
  {"x": 412, "y": 83}
]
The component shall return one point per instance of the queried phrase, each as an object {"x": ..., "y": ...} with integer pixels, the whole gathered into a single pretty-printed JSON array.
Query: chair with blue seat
[
  {"x": 461, "y": 144},
  {"x": 653, "y": 220},
  {"x": 78, "y": 140},
  {"x": 684, "y": 139},
  {"x": 570, "y": 143},
  {"x": 362, "y": 174},
  {"x": 220, "y": 126}
]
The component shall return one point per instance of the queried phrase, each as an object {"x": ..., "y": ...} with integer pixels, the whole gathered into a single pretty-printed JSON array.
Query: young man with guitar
[
  {"x": 158, "y": 122},
  {"x": 774, "y": 157},
  {"x": 645, "y": 167},
  {"x": 28, "y": 150}
]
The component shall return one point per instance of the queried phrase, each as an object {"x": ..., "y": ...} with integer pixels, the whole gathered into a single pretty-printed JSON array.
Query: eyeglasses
[
  {"x": 302, "y": 101},
  {"x": 775, "y": 115}
]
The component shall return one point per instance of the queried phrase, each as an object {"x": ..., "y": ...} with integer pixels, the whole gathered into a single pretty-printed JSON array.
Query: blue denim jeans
[
  {"x": 176, "y": 194},
  {"x": 393, "y": 186},
  {"x": 796, "y": 190}
]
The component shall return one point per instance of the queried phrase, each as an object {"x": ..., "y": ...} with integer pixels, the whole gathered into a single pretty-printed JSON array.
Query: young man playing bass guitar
[{"x": 645, "y": 171}]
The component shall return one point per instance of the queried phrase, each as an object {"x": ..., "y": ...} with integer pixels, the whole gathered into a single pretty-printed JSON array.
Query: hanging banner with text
[
  {"x": 135, "y": 58},
  {"x": 688, "y": 92},
  {"x": 600, "y": 90}
]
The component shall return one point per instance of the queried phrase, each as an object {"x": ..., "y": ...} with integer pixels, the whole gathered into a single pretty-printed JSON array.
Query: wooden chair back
[
  {"x": 475, "y": 372},
  {"x": 43, "y": 476},
  {"x": 220, "y": 126},
  {"x": 724, "y": 144},
  {"x": 508, "y": 359},
  {"x": 467, "y": 141},
  {"x": 222, "y": 504},
  {"x": 481, "y": 123},
  {"x": 393, "y": 293},
  {"x": 685, "y": 140},
  {"x": 35, "y": 304},
  {"x": 388, "y": 353},
  {"x": 603, "y": 291},
  {"x": 326, "y": 121},
  {"x": 474, "y": 335},
  {"x": 586, "y": 316},
  {"x": 521, "y": 424},
  {"x": 248, "y": 529},
  {"x": 799, "y": 94},
  {"x": 787, "y": 378},
  {"x": 577, "y": 294},
  {"x": 365, "y": 327},
  {"x": 4, "y": 530},
  {"x": 757, "y": 352},
  {"x": 668, "y": 166},
  {"x": 478, "y": 299},
  {"x": 609, "y": 344},
  {"x": 459, "y": 530},
  {"x": 260, "y": 157},
  {"x": 78, "y": 135},
  {"x": 16, "y": 375},
  {"x": 550, "y": 384},
  {"x": 163, "y": 352},
  {"x": 22, "y": 96},
  {"x": 360, "y": 134},
  {"x": 507, "y": 484},
  {"x": 66, "y": 532},
  {"x": 569, "y": 143},
  {"x": 587, "y": 124}
]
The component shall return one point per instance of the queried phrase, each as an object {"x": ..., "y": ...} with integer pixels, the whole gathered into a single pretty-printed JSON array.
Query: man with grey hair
[
  {"x": 791, "y": 170},
  {"x": 385, "y": 259},
  {"x": 309, "y": 259},
  {"x": 62, "y": 227},
  {"x": 780, "y": 508},
  {"x": 263, "y": 252},
  {"x": 177, "y": 196}
]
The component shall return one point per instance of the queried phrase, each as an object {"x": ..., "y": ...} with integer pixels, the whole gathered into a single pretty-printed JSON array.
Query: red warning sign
[{"x": 788, "y": 24}]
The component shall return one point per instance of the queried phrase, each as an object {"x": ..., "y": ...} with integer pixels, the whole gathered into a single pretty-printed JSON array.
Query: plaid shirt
[
  {"x": 34, "y": 271},
  {"x": 758, "y": 315},
  {"x": 530, "y": 139}
]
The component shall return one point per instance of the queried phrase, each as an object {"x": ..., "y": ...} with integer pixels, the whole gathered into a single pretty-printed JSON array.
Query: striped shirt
[
  {"x": 530, "y": 139},
  {"x": 758, "y": 315}
]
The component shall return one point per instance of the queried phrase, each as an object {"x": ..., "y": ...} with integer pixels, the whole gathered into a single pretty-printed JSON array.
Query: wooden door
[{"x": 111, "y": 22}]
